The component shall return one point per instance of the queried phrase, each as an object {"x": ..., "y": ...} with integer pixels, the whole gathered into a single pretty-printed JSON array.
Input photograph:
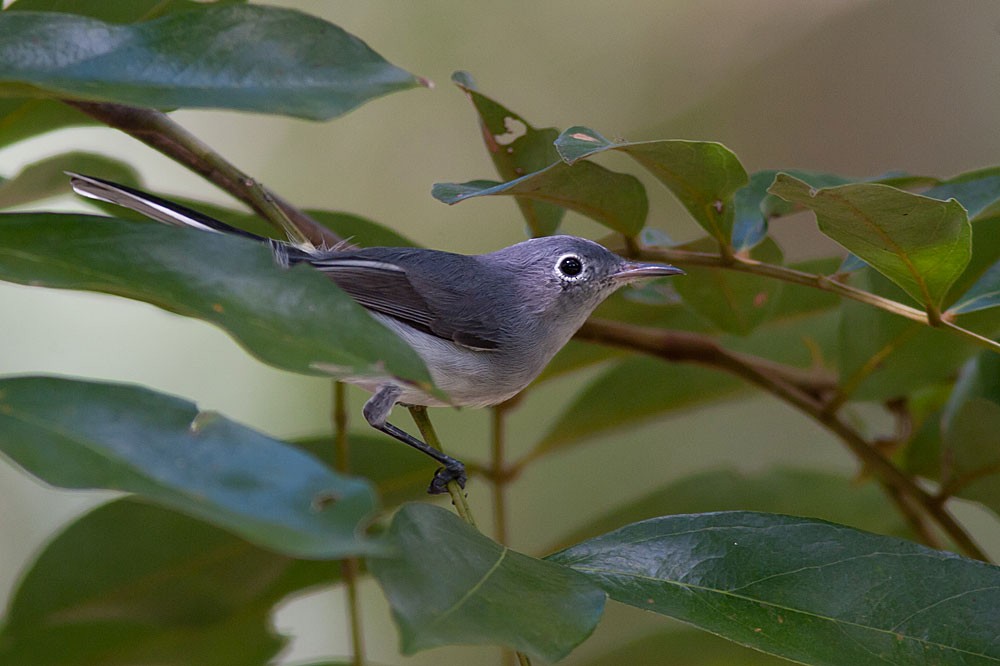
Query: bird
[{"x": 484, "y": 325}]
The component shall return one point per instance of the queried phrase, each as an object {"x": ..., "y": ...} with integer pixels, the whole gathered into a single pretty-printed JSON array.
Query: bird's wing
[{"x": 386, "y": 286}]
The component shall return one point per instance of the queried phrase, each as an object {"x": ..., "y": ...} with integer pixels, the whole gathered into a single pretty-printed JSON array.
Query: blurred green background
[{"x": 857, "y": 87}]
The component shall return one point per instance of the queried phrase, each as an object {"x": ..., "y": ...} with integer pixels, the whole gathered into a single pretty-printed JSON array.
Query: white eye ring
[{"x": 569, "y": 267}]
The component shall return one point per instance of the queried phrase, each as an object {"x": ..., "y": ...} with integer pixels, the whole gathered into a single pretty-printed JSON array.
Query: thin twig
[
  {"x": 497, "y": 479},
  {"x": 823, "y": 282},
  {"x": 156, "y": 130},
  {"x": 349, "y": 566},
  {"x": 419, "y": 414}
]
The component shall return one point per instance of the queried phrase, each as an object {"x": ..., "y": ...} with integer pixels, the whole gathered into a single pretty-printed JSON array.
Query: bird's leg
[{"x": 376, "y": 412}]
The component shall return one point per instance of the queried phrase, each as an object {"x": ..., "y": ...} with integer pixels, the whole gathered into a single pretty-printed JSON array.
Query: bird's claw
[{"x": 445, "y": 475}]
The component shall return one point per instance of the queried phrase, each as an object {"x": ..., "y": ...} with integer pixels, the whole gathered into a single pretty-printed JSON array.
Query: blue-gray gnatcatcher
[{"x": 484, "y": 325}]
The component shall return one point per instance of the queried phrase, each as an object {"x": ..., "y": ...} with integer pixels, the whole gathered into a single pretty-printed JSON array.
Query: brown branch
[
  {"x": 156, "y": 130},
  {"x": 686, "y": 347},
  {"x": 804, "y": 391}
]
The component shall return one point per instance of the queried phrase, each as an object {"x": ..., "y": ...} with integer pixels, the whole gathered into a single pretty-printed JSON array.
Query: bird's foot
[{"x": 452, "y": 472}]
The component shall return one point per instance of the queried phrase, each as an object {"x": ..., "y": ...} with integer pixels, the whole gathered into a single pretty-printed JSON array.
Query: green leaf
[
  {"x": 960, "y": 450},
  {"x": 979, "y": 286},
  {"x": 616, "y": 200},
  {"x": 734, "y": 302},
  {"x": 977, "y": 191},
  {"x": 399, "y": 473},
  {"x": 634, "y": 390},
  {"x": 809, "y": 591},
  {"x": 684, "y": 647},
  {"x": 703, "y": 175},
  {"x": 449, "y": 585},
  {"x": 76, "y": 434},
  {"x": 132, "y": 583},
  {"x": 293, "y": 319},
  {"x": 807, "y": 493},
  {"x": 22, "y": 118},
  {"x": 921, "y": 244},
  {"x": 755, "y": 206},
  {"x": 287, "y": 62},
  {"x": 47, "y": 178},
  {"x": 516, "y": 148},
  {"x": 576, "y": 356},
  {"x": 877, "y": 350},
  {"x": 115, "y": 12}
]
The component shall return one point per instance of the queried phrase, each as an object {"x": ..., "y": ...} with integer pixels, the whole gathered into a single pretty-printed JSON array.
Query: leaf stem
[
  {"x": 156, "y": 130},
  {"x": 823, "y": 282},
  {"x": 349, "y": 566}
]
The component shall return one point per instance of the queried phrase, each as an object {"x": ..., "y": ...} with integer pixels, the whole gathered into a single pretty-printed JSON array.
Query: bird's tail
[{"x": 151, "y": 206}]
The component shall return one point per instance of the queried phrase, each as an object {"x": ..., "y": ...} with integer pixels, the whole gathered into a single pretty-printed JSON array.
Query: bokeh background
[{"x": 857, "y": 87}]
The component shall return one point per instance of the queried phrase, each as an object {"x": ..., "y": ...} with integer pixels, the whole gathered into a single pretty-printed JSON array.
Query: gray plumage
[{"x": 485, "y": 325}]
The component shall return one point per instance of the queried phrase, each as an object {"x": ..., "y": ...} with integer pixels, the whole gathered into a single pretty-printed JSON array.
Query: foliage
[{"x": 231, "y": 522}]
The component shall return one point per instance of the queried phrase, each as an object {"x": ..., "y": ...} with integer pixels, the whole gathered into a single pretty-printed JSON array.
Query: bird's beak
[{"x": 631, "y": 271}]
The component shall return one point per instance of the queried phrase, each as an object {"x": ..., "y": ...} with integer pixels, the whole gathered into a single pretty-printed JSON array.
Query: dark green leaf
[
  {"x": 703, "y": 175},
  {"x": 961, "y": 451},
  {"x": 985, "y": 293},
  {"x": 977, "y": 191},
  {"x": 807, "y": 493},
  {"x": 755, "y": 206},
  {"x": 806, "y": 590},
  {"x": 116, "y": 12},
  {"x": 76, "y": 434},
  {"x": 979, "y": 286},
  {"x": 399, "y": 473},
  {"x": 132, "y": 583},
  {"x": 22, "y": 118},
  {"x": 636, "y": 389},
  {"x": 47, "y": 178},
  {"x": 616, "y": 200},
  {"x": 683, "y": 647},
  {"x": 293, "y": 319},
  {"x": 921, "y": 244},
  {"x": 576, "y": 356},
  {"x": 877, "y": 349},
  {"x": 517, "y": 149},
  {"x": 286, "y": 62},
  {"x": 735, "y": 302},
  {"x": 449, "y": 585}
]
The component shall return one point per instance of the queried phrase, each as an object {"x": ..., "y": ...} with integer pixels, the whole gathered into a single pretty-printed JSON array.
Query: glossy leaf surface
[
  {"x": 449, "y": 584},
  {"x": 765, "y": 581},
  {"x": 293, "y": 319},
  {"x": 800, "y": 492},
  {"x": 286, "y": 62},
  {"x": 77, "y": 434}
]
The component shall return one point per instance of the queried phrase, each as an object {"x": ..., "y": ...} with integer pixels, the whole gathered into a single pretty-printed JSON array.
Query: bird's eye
[{"x": 570, "y": 265}]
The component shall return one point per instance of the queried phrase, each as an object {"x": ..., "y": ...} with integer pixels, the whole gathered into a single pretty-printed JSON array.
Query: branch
[
  {"x": 802, "y": 390},
  {"x": 156, "y": 130},
  {"x": 685, "y": 347},
  {"x": 823, "y": 282}
]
